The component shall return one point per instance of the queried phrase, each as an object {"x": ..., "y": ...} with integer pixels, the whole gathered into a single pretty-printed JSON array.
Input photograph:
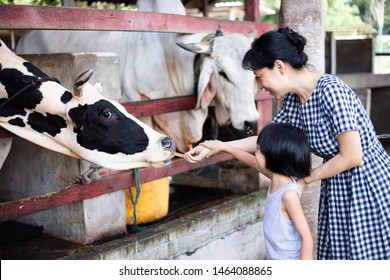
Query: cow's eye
[
  {"x": 223, "y": 74},
  {"x": 106, "y": 114}
]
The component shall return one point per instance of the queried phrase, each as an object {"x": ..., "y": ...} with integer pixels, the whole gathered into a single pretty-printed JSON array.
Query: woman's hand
[
  {"x": 302, "y": 184},
  {"x": 197, "y": 154}
]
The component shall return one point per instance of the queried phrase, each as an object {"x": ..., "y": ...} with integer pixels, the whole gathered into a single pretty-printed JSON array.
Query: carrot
[{"x": 177, "y": 154}]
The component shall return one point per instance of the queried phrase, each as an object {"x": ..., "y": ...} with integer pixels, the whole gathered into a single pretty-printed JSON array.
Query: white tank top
[{"x": 282, "y": 240}]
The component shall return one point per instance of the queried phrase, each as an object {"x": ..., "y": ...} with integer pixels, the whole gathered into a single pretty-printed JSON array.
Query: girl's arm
[
  {"x": 199, "y": 153},
  {"x": 292, "y": 206},
  {"x": 217, "y": 146},
  {"x": 350, "y": 155}
]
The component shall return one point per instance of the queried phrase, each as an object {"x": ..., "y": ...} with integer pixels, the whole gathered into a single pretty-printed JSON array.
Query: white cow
[
  {"x": 81, "y": 124},
  {"x": 153, "y": 66}
]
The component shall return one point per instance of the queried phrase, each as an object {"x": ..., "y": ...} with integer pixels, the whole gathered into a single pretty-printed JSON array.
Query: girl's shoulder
[
  {"x": 291, "y": 188},
  {"x": 291, "y": 196}
]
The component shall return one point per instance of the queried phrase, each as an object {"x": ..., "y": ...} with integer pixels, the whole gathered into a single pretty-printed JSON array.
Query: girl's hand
[{"x": 197, "y": 154}]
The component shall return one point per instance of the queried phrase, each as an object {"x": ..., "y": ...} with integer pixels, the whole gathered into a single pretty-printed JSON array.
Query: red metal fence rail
[{"x": 33, "y": 17}]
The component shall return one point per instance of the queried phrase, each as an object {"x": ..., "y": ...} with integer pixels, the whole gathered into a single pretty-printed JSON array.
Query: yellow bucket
[{"x": 152, "y": 203}]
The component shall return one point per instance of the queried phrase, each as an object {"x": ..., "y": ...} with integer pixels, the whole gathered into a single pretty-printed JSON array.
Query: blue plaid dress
[{"x": 354, "y": 210}]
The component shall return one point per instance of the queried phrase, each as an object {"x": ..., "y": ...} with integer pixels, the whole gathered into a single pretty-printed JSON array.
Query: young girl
[{"x": 283, "y": 154}]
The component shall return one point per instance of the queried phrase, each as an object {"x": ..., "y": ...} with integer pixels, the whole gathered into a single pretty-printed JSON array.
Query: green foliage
[
  {"x": 84, "y": 4},
  {"x": 341, "y": 13},
  {"x": 33, "y": 2},
  {"x": 105, "y": 5},
  {"x": 274, "y": 5},
  {"x": 344, "y": 17},
  {"x": 364, "y": 8}
]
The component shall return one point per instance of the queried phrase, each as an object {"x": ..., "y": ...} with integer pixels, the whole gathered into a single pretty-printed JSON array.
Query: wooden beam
[
  {"x": 252, "y": 12},
  {"x": 159, "y": 106},
  {"x": 121, "y": 180},
  {"x": 365, "y": 80},
  {"x": 65, "y": 18},
  {"x": 5, "y": 133}
]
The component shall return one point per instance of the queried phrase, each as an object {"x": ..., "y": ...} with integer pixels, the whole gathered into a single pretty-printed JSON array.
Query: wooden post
[
  {"x": 252, "y": 12},
  {"x": 205, "y": 8}
]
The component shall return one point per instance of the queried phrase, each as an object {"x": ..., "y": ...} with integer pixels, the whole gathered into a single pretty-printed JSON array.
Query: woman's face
[{"x": 271, "y": 80}]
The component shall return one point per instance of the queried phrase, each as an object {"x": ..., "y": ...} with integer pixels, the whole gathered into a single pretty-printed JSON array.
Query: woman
[{"x": 354, "y": 213}]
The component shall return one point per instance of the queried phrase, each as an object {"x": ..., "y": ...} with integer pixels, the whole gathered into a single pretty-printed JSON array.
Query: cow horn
[
  {"x": 219, "y": 31},
  {"x": 81, "y": 81},
  {"x": 201, "y": 47},
  {"x": 253, "y": 34}
]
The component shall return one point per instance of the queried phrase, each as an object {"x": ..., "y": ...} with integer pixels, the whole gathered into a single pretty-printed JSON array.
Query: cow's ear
[
  {"x": 252, "y": 35},
  {"x": 201, "y": 47},
  {"x": 206, "y": 85},
  {"x": 80, "y": 82}
]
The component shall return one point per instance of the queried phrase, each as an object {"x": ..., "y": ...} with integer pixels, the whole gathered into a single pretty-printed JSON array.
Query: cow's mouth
[
  {"x": 168, "y": 149},
  {"x": 169, "y": 145}
]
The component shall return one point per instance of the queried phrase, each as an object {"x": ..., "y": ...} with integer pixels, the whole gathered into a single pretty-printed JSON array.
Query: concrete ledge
[{"x": 237, "y": 222}]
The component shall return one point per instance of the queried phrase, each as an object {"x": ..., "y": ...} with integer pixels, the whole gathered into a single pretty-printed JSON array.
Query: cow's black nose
[
  {"x": 250, "y": 128},
  {"x": 168, "y": 143}
]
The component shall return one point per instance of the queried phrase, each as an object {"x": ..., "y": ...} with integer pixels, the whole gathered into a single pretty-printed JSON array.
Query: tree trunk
[{"x": 305, "y": 17}]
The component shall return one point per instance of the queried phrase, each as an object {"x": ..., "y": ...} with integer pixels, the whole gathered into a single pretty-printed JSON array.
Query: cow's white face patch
[
  {"x": 222, "y": 79},
  {"x": 81, "y": 124}
]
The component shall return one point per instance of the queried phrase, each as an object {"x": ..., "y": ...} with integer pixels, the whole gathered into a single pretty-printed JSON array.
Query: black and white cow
[
  {"x": 207, "y": 65},
  {"x": 81, "y": 124}
]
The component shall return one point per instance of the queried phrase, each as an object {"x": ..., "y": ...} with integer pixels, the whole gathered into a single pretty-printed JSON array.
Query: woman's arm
[
  {"x": 350, "y": 155},
  {"x": 292, "y": 205}
]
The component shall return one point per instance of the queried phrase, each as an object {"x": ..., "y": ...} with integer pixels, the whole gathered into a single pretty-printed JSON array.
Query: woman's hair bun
[
  {"x": 294, "y": 38},
  {"x": 283, "y": 44}
]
